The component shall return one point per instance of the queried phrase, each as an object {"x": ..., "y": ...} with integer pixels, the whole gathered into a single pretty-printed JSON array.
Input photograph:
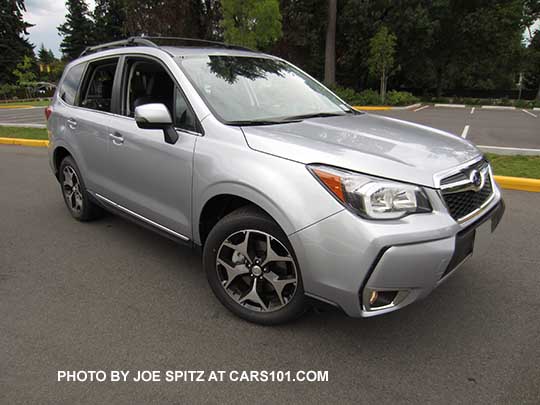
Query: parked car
[{"x": 290, "y": 192}]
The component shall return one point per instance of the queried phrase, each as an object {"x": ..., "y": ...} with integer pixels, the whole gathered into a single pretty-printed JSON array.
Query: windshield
[{"x": 249, "y": 89}]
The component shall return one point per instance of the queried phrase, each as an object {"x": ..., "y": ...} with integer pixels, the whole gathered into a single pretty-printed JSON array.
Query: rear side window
[
  {"x": 70, "y": 84},
  {"x": 98, "y": 85}
]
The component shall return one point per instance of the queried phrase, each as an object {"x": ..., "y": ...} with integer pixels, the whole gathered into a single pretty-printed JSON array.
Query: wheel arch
[
  {"x": 60, "y": 152},
  {"x": 229, "y": 198}
]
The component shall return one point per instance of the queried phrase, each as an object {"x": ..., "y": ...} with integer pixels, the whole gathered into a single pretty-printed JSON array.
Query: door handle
[
  {"x": 116, "y": 138},
  {"x": 72, "y": 123}
]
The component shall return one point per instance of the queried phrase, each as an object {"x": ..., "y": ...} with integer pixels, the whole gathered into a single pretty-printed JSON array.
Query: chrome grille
[{"x": 459, "y": 193}]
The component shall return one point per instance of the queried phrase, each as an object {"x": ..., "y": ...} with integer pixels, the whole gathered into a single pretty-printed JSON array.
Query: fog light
[
  {"x": 379, "y": 299},
  {"x": 373, "y": 297}
]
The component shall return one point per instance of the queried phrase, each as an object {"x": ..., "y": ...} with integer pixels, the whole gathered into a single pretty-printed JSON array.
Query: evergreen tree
[
  {"x": 13, "y": 47},
  {"x": 45, "y": 56},
  {"x": 78, "y": 30},
  {"x": 109, "y": 19}
]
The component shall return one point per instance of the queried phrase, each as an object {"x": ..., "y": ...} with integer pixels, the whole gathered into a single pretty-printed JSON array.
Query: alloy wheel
[
  {"x": 71, "y": 188},
  {"x": 257, "y": 270}
]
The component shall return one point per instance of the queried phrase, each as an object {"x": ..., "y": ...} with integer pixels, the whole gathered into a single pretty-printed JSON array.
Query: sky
[{"x": 47, "y": 15}]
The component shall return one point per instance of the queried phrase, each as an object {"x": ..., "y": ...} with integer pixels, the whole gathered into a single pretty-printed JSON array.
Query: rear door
[
  {"x": 90, "y": 121},
  {"x": 147, "y": 176}
]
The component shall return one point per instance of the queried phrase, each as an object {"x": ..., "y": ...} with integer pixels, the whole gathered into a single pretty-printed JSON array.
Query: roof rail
[
  {"x": 132, "y": 41},
  {"x": 180, "y": 41},
  {"x": 155, "y": 43}
]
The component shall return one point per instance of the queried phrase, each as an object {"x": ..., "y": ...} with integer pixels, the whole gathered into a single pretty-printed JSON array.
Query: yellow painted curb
[
  {"x": 372, "y": 108},
  {"x": 10, "y": 107},
  {"x": 518, "y": 183},
  {"x": 24, "y": 142}
]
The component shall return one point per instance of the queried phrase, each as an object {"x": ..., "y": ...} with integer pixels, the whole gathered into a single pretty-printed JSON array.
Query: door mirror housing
[{"x": 156, "y": 116}]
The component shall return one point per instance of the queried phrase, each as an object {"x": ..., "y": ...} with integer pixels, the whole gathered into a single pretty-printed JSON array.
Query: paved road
[
  {"x": 19, "y": 116},
  {"x": 110, "y": 295},
  {"x": 502, "y": 128}
]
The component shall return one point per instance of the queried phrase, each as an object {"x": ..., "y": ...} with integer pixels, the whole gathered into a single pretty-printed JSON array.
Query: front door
[{"x": 146, "y": 175}]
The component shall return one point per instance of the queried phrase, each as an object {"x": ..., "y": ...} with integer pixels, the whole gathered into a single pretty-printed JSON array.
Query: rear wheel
[
  {"x": 252, "y": 269},
  {"x": 76, "y": 197}
]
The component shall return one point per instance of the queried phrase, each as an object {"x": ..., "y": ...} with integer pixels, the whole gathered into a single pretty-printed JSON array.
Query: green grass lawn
[
  {"x": 515, "y": 166},
  {"x": 25, "y": 133},
  {"x": 40, "y": 103}
]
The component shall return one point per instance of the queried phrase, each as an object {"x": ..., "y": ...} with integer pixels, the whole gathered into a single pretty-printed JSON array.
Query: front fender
[{"x": 224, "y": 164}]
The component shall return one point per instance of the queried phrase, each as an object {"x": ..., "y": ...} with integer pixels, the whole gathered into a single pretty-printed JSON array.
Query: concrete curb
[
  {"x": 24, "y": 142},
  {"x": 497, "y": 107},
  {"x": 451, "y": 105},
  {"x": 512, "y": 183},
  {"x": 508, "y": 151},
  {"x": 518, "y": 183},
  {"x": 384, "y": 107}
]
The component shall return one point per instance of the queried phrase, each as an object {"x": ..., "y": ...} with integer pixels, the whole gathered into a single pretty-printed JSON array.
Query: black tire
[
  {"x": 88, "y": 209},
  {"x": 237, "y": 222}
]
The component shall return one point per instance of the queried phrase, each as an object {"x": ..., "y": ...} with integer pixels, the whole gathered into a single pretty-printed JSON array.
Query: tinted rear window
[{"x": 70, "y": 84}]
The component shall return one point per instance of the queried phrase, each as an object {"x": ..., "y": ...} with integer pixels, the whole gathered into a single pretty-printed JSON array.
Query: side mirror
[{"x": 156, "y": 116}]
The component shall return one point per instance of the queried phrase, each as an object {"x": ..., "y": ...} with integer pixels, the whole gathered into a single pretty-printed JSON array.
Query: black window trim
[{"x": 121, "y": 94}]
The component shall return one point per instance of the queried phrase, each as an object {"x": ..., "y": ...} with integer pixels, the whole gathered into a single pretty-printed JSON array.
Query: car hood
[{"x": 371, "y": 144}]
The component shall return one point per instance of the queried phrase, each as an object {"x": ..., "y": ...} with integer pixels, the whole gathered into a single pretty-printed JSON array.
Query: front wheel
[{"x": 252, "y": 270}]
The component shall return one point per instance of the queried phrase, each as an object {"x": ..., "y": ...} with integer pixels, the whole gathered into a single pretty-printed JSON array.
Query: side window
[
  {"x": 70, "y": 84},
  {"x": 183, "y": 115},
  {"x": 98, "y": 85},
  {"x": 148, "y": 82}
]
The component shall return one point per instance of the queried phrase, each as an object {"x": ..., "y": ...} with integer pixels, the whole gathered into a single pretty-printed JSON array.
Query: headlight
[{"x": 371, "y": 197}]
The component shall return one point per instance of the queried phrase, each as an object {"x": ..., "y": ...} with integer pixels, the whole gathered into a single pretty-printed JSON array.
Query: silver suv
[{"x": 292, "y": 194}]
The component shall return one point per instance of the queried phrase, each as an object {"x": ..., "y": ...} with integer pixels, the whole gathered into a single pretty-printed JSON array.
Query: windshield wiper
[
  {"x": 316, "y": 115},
  {"x": 261, "y": 122}
]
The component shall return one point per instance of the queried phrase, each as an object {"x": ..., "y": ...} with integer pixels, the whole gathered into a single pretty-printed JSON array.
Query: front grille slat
[{"x": 461, "y": 204}]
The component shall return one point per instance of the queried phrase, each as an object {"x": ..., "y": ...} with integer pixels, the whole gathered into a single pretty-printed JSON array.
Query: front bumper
[{"x": 345, "y": 258}]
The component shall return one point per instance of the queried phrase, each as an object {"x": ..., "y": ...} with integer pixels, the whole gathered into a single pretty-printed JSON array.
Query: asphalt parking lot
[
  {"x": 500, "y": 128},
  {"x": 34, "y": 116},
  {"x": 110, "y": 295}
]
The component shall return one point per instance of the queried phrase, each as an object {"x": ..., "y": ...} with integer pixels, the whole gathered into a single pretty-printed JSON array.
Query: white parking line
[
  {"x": 472, "y": 110},
  {"x": 530, "y": 113},
  {"x": 465, "y": 131},
  {"x": 421, "y": 108}
]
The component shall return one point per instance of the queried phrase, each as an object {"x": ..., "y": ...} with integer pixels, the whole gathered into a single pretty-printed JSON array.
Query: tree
[
  {"x": 194, "y": 19},
  {"x": 532, "y": 67},
  {"x": 13, "y": 46},
  {"x": 251, "y": 23},
  {"x": 330, "y": 51},
  {"x": 303, "y": 35},
  {"x": 381, "y": 56},
  {"x": 77, "y": 30},
  {"x": 45, "y": 56},
  {"x": 109, "y": 20},
  {"x": 25, "y": 73}
]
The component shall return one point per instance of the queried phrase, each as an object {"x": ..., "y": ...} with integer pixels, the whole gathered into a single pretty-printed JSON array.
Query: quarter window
[{"x": 70, "y": 84}]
